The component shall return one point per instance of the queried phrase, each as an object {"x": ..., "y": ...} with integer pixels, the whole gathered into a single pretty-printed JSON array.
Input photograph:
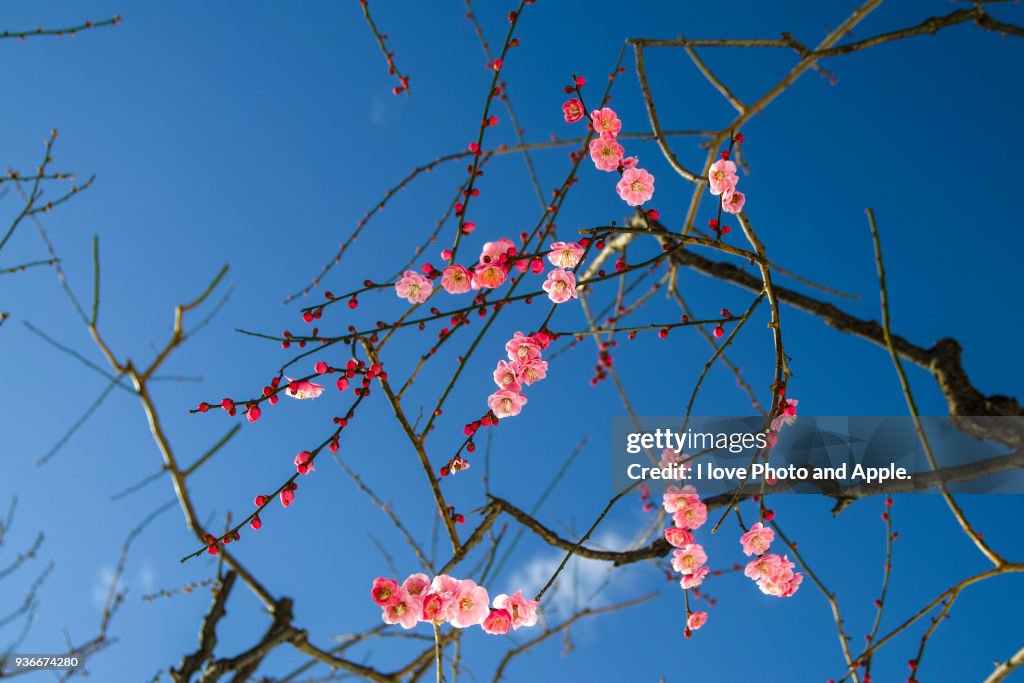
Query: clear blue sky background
[{"x": 259, "y": 133}]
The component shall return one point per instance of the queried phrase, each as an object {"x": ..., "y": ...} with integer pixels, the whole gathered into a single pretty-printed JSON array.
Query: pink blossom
[
  {"x": 523, "y": 611},
  {"x": 676, "y": 498},
  {"x": 636, "y": 186},
  {"x": 774, "y": 575},
  {"x": 695, "y": 579},
  {"x": 456, "y": 279},
  {"x": 506, "y": 376},
  {"x": 471, "y": 604},
  {"x": 384, "y": 591},
  {"x": 765, "y": 565},
  {"x": 560, "y": 286},
  {"x": 605, "y": 153},
  {"x": 302, "y": 390},
  {"x": 506, "y": 403},
  {"x": 413, "y": 287},
  {"x": 692, "y": 516},
  {"x": 416, "y": 584},
  {"x": 572, "y": 110},
  {"x": 696, "y": 620},
  {"x": 757, "y": 540},
  {"x": 404, "y": 611},
  {"x": 530, "y": 371},
  {"x": 689, "y": 558},
  {"x": 678, "y": 537},
  {"x": 787, "y": 414},
  {"x": 521, "y": 347},
  {"x": 782, "y": 587},
  {"x": 493, "y": 252},
  {"x": 733, "y": 201},
  {"x": 606, "y": 123},
  {"x": 436, "y": 608},
  {"x": 565, "y": 254},
  {"x": 722, "y": 176},
  {"x": 498, "y": 622},
  {"x": 488, "y": 275},
  {"x": 629, "y": 162}
]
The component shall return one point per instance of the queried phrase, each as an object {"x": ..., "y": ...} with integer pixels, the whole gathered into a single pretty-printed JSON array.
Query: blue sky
[{"x": 259, "y": 134}]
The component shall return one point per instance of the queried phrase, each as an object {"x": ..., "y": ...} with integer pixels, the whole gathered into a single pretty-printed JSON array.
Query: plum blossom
[
  {"x": 572, "y": 110},
  {"x": 629, "y": 162},
  {"x": 413, "y": 287},
  {"x": 493, "y": 252},
  {"x": 490, "y": 275},
  {"x": 523, "y": 611},
  {"x": 302, "y": 389},
  {"x": 522, "y": 347},
  {"x": 606, "y": 153},
  {"x": 787, "y": 414},
  {"x": 691, "y": 516},
  {"x": 565, "y": 254},
  {"x": 774, "y": 575},
  {"x": 757, "y": 540},
  {"x": 497, "y": 622},
  {"x": 678, "y": 538},
  {"x": 560, "y": 286},
  {"x": 384, "y": 591},
  {"x": 696, "y": 620},
  {"x": 733, "y": 201},
  {"x": 636, "y": 186},
  {"x": 606, "y": 122},
  {"x": 506, "y": 376},
  {"x": 456, "y": 279},
  {"x": 689, "y": 558},
  {"x": 470, "y": 606},
  {"x": 722, "y": 176},
  {"x": 530, "y": 371},
  {"x": 404, "y": 611},
  {"x": 695, "y": 579},
  {"x": 506, "y": 403},
  {"x": 676, "y": 498},
  {"x": 416, "y": 584}
]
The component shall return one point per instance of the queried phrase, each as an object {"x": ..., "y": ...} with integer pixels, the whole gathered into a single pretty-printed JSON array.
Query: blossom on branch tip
[
  {"x": 636, "y": 186},
  {"x": 384, "y": 591},
  {"x": 696, "y": 620},
  {"x": 560, "y": 286},
  {"x": 413, "y": 287}
]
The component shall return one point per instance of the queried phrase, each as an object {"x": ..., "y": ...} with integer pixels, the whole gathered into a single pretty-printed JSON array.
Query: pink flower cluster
[
  {"x": 774, "y": 573},
  {"x": 461, "y": 603},
  {"x": 636, "y": 185},
  {"x": 524, "y": 367},
  {"x": 722, "y": 180},
  {"x": 689, "y": 558}
]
